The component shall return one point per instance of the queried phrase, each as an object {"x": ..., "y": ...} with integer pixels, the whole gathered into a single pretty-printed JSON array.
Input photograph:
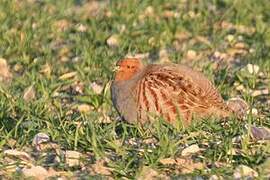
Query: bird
[{"x": 142, "y": 93}]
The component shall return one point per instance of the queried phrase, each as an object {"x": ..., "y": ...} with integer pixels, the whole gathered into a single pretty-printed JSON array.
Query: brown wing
[
  {"x": 208, "y": 93},
  {"x": 172, "y": 90}
]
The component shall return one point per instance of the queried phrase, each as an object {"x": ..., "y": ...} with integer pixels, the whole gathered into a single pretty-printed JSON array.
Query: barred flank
[
  {"x": 169, "y": 91},
  {"x": 169, "y": 94}
]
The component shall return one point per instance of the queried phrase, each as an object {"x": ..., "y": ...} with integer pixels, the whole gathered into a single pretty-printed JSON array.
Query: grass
[{"x": 35, "y": 35}]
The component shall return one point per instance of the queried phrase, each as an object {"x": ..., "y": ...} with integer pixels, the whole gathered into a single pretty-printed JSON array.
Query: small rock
[
  {"x": 259, "y": 92},
  {"x": 68, "y": 75},
  {"x": 11, "y": 142},
  {"x": 12, "y": 168},
  {"x": 261, "y": 75},
  {"x": 243, "y": 171},
  {"x": 122, "y": 28},
  {"x": 182, "y": 36},
  {"x": 84, "y": 108},
  {"x": 254, "y": 111},
  {"x": 230, "y": 38},
  {"x": 192, "y": 14},
  {"x": 133, "y": 142},
  {"x": 163, "y": 56},
  {"x": 170, "y": 14},
  {"x": 18, "y": 67},
  {"x": 138, "y": 56},
  {"x": 217, "y": 54},
  {"x": 18, "y": 154},
  {"x": 81, "y": 28},
  {"x": 167, "y": 161},
  {"x": 151, "y": 174},
  {"x": 245, "y": 29},
  {"x": 252, "y": 50},
  {"x": 108, "y": 13},
  {"x": 215, "y": 177},
  {"x": 231, "y": 151},
  {"x": 150, "y": 141},
  {"x": 240, "y": 45},
  {"x": 91, "y": 9},
  {"x": 5, "y": 74},
  {"x": 64, "y": 54},
  {"x": 61, "y": 25},
  {"x": 52, "y": 172},
  {"x": 149, "y": 11},
  {"x": 237, "y": 139},
  {"x": 72, "y": 158},
  {"x": 191, "y": 54},
  {"x": 203, "y": 40},
  {"x": 238, "y": 106},
  {"x": 46, "y": 70},
  {"x": 240, "y": 87},
  {"x": 190, "y": 150},
  {"x": 36, "y": 172},
  {"x": 113, "y": 41},
  {"x": 100, "y": 167},
  {"x": 104, "y": 119},
  {"x": 152, "y": 41},
  {"x": 234, "y": 52},
  {"x": 96, "y": 88},
  {"x": 75, "y": 59},
  {"x": 49, "y": 146},
  {"x": 39, "y": 139},
  {"x": 29, "y": 94},
  {"x": 187, "y": 165},
  {"x": 253, "y": 68},
  {"x": 77, "y": 87},
  {"x": 260, "y": 133}
]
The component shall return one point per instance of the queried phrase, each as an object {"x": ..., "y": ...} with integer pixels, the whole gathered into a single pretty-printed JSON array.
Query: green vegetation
[{"x": 60, "y": 53}]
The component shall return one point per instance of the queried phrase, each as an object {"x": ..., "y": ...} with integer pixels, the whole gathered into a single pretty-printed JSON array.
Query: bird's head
[{"x": 127, "y": 68}]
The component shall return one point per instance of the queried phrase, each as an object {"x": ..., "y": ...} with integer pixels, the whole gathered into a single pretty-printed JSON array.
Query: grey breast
[{"x": 124, "y": 100}]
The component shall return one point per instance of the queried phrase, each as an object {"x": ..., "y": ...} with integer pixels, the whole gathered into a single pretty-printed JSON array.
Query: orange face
[{"x": 127, "y": 68}]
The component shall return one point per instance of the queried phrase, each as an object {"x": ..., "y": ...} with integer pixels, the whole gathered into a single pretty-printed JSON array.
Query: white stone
[
  {"x": 37, "y": 172},
  {"x": 72, "y": 158},
  {"x": 113, "y": 41},
  {"x": 192, "y": 149},
  {"x": 244, "y": 171},
  {"x": 40, "y": 138},
  {"x": 253, "y": 68}
]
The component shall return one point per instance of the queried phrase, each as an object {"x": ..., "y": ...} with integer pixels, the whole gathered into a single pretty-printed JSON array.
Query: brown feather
[{"x": 170, "y": 91}]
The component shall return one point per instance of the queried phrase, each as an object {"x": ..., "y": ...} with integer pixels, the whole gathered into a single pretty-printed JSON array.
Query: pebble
[
  {"x": 259, "y": 92},
  {"x": 230, "y": 38},
  {"x": 40, "y": 138},
  {"x": 72, "y": 158},
  {"x": 29, "y": 94},
  {"x": 84, "y": 108},
  {"x": 37, "y": 172},
  {"x": 192, "y": 149},
  {"x": 253, "y": 68},
  {"x": 191, "y": 54},
  {"x": 243, "y": 171},
  {"x": 113, "y": 41}
]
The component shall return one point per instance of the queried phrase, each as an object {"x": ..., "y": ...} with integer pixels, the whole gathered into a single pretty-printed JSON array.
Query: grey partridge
[{"x": 172, "y": 91}]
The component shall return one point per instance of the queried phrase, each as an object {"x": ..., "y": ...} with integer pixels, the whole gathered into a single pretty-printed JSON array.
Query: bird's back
[{"x": 171, "y": 91}]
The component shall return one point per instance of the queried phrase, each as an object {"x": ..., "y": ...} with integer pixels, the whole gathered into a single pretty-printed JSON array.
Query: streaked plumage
[{"x": 140, "y": 93}]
